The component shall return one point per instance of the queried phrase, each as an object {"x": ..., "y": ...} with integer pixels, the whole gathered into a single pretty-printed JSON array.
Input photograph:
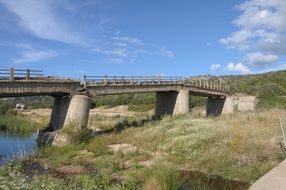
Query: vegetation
[
  {"x": 269, "y": 87},
  {"x": 239, "y": 147},
  {"x": 12, "y": 122}
]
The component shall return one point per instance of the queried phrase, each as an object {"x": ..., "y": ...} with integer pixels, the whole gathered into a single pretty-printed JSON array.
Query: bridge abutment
[
  {"x": 219, "y": 105},
  {"x": 172, "y": 103}
]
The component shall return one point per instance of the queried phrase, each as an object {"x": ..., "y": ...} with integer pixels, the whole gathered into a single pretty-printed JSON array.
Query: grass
[
  {"x": 240, "y": 147},
  {"x": 243, "y": 146},
  {"x": 12, "y": 122},
  {"x": 18, "y": 124}
]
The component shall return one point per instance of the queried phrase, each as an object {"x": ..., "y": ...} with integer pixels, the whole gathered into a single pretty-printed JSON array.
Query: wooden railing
[
  {"x": 113, "y": 80},
  {"x": 152, "y": 80},
  {"x": 12, "y": 74}
]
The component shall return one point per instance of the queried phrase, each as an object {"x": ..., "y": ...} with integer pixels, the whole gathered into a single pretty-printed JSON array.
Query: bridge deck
[{"x": 33, "y": 84}]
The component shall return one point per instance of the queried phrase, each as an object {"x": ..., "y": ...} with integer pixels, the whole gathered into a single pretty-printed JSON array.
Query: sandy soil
[{"x": 44, "y": 114}]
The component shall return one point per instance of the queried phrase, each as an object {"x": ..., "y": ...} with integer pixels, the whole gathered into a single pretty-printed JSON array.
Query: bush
[
  {"x": 77, "y": 135},
  {"x": 5, "y": 107},
  {"x": 17, "y": 125}
]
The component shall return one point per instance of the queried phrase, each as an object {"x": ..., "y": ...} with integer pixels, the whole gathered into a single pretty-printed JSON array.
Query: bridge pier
[
  {"x": 172, "y": 103},
  {"x": 67, "y": 112},
  {"x": 219, "y": 105},
  {"x": 78, "y": 111},
  {"x": 59, "y": 112}
]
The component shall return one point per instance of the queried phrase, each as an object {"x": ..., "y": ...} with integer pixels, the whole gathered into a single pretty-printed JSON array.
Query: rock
[
  {"x": 124, "y": 148},
  {"x": 71, "y": 170}
]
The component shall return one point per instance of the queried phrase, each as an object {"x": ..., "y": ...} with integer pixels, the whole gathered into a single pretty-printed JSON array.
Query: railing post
[
  {"x": 153, "y": 80},
  {"x": 139, "y": 80},
  {"x": 211, "y": 85},
  {"x": 105, "y": 80},
  {"x": 220, "y": 87},
  {"x": 12, "y": 76},
  {"x": 84, "y": 79},
  {"x": 122, "y": 79},
  {"x": 114, "y": 79},
  {"x": 181, "y": 79},
  {"x": 207, "y": 84},
  {"x": 28, "y": 74},
  {"x": 145, "y": 79},
  {"x": 184, "y": 81},
  {"x": 200, "y": 83},
  {"x": 131, "y": 79},
  {"x": 159, "y": 79}
]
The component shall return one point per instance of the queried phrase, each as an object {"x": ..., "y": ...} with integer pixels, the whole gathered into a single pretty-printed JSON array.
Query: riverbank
[{"x": 237, "y": 149}]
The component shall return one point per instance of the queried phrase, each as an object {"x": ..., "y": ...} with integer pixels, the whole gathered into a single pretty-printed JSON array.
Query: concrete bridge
[{"x": 72, "y": 97}]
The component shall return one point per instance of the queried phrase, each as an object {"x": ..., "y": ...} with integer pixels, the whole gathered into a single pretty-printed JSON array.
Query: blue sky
[{"x": 143, "y": 37}]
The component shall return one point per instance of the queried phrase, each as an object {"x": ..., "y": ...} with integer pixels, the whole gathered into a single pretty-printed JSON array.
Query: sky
[{"x": 143, "y": 37}]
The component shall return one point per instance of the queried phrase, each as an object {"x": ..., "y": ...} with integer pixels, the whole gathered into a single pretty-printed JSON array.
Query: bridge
[{"x": 72, "y": 98}]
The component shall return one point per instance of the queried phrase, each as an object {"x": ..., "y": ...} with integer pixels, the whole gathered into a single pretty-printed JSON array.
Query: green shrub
[
  {"x": 17, "y": 125},
  {"x": 5, "y": 107}
]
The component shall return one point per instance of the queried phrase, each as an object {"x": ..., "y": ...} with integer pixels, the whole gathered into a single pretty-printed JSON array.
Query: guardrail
[
  {"x": 12, "y": 74},
  {"x": 113, "y": 80},
  {"x": 152, "y": 80}
]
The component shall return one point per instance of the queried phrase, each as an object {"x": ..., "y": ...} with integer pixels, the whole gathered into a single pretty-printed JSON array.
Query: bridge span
[{"x": 72, "y": 98}]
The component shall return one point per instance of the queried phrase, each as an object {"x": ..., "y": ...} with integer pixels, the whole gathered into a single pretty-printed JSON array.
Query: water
[
  {"x": 15, "y": 146},
  {"x": 194, "y": 180}
]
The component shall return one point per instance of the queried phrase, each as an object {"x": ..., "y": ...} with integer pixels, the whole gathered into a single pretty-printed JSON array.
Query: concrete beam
[
  {"x": 219, "y": 105},
  {"x": 172, "y": 103}
]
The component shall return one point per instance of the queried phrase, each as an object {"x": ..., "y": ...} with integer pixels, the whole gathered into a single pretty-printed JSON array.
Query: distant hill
[{"x": 269, "y": 87}]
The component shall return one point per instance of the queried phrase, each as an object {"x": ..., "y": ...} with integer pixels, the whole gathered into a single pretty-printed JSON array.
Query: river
[{"x": 14, "y": 146}]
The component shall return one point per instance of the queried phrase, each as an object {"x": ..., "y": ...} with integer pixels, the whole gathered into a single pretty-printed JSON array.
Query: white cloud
[
  {"x": 238, "y": 39},
  {"x": 126, "y": 39},
  {"x": 269, "y": 14},
  {"x": 261, "y": 32},
  {"x": 127, "y": 49},
  {"x": 122, "y": 53},
  {"x": 260, "y": 60},
  {"x": 41, "y": 19},
  {"x": 214, "y": 67},
  {"x": 239, "y": 67},
  {"x": 35, "y": 56},
  {"x": 167, "y": 53},
  {"x": 30, "y": 54}
]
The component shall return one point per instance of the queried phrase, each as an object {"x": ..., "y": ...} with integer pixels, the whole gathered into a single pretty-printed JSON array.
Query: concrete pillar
[
  {"x": 219, "y": 105},
  {"x": 78, "y": 111},
  {"x": 172, "y": 103},
  {"x": 59, "y": 112},
  {"x": 228, "y": 106}
]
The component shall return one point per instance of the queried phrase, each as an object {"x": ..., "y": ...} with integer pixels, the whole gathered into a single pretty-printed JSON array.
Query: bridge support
[
  {"x": 219, "y": 105},
  {"x": 59, "y": 112},
  {"x": 67, "y": 112},
  {"x": 172, "y": 103},
  {"x": 78, "y": 111}
]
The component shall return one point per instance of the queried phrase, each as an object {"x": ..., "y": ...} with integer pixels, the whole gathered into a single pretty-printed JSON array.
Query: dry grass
[{"x": 241, "y": 146}]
